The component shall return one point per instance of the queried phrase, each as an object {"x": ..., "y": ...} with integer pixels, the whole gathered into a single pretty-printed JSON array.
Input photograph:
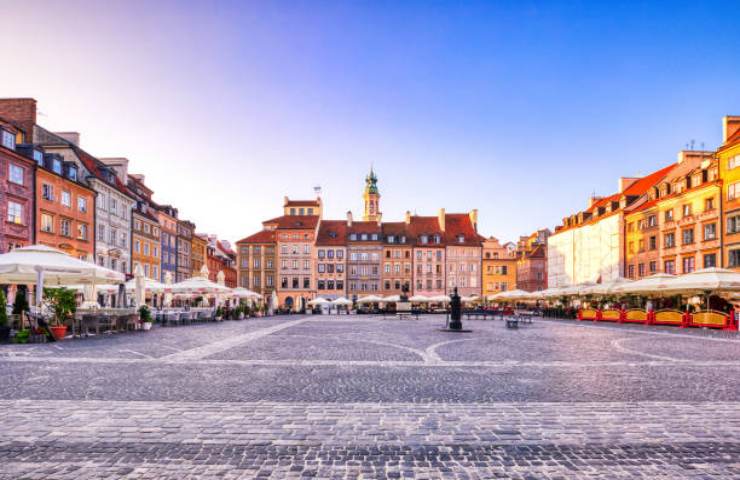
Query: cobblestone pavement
[{"x": 362, "y": 397}]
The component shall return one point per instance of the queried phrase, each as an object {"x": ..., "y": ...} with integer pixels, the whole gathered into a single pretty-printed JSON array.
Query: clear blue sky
[{"x": 521, "y": 109}]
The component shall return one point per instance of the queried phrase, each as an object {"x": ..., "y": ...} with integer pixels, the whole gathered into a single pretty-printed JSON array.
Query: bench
[{"x": 512, "y": 322}]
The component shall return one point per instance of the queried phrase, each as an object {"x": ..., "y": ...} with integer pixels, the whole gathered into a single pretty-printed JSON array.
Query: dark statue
[{"x": 455, "y": 311}]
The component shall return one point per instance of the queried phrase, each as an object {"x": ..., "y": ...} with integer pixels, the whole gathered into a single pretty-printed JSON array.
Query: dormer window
[
  {"x": 56, "y": 166},
  {"x": 72, "y": 172},
  {"x": 363, "y": 236},
  {"x": 391, "y": 239},
  {"x": 332, "y": 234},
  {"x": 437, "y": 239},
  {"x": 7, "y": 139},
  {"x": 424, "y": 239},
  {"x": 353, "y": 236},
  {"x": 461, "y": 239},
  {"x": 403, "y": 239},
  {"x": 38, "y": 157},
  {"x": 374, "y": 236}
]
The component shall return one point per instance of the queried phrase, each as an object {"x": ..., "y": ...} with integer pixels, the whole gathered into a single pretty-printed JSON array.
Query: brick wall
[{"x": 20, "y": 111}]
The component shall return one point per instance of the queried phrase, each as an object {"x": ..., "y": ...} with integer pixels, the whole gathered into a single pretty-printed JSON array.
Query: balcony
[
  {"x": 687, "y": 220},
  {"x": 708, "y": 215}
]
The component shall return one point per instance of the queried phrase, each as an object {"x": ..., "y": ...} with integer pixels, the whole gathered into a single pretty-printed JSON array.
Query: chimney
[
  {"x": 21, "y": 112},
  {"x": 626, "y": 182},
  {"x": 349, "y": 218},
  {"x": 380, "y": 219},
  {"x": 441, "y": 219},
  {"x": 730, "y": 126},
  {"x": 119, "y": 165},
  {"x": 593, "y": 199},
  {"x": 71, "y": 137},
  {"x": 408, "y": 217},
  {"x": 474, "y": 218}
]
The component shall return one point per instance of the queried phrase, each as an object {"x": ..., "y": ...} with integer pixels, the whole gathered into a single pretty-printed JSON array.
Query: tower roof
[{"x": 371, "y": 182}]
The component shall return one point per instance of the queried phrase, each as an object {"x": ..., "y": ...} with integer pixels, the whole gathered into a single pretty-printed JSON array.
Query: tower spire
[{"x": 371, "y": 196}]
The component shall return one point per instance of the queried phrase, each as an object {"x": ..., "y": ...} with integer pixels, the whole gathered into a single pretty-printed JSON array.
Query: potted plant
[
  {"x": 145, "y": 315},
  {"x": 219, "y": 314},
  {"x": 63, "y": 304},
  {"x": 20, "y": 304},
  {"x": 4, "y": 328}
]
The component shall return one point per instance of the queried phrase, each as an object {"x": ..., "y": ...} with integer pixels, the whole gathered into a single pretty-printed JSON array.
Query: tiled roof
[
  {"x": 294, "y": 222},
  {"x": 332, "y": 232},
  {"x": 263, "y": 236},
  {"x": 364, "y": 227},
  {"x": 302, "y": 203},
  {"x": 642, "y": 185},
  {"x": 460, "y": 224}
]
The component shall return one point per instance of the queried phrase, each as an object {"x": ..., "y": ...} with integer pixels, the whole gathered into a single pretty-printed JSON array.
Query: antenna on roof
[
  {"x": 692, "y": 144},
  {"x": 317, "y": 190}
]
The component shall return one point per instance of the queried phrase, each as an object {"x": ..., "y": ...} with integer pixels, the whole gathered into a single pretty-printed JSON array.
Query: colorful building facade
[
  {"x": 17, "y": 178},
  {"x": 330, "y": 259},
  {"x": 728, "y": 161},
  {"x": 499, "y": 267},
  {"x": 256, "y": 261}
]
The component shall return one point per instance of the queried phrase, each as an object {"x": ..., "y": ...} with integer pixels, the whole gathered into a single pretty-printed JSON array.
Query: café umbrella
[{"x": 46, "y": 266}]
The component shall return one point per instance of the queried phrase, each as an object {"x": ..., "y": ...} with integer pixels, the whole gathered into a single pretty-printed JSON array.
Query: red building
[
  {"x": 17, "y": 178},
  {"x": 221, "y": 258}
]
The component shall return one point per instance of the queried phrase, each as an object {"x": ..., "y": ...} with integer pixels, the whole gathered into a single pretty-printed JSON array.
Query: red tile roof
[
  {"x": 263, "y": 236},
  {"x": 294, "y": 222},
  {"x": 332, "y": 232},
  {"x": 364, "y": 227},
  {"x": 642, "y": 185},
  {"x": 457, "y": 224}
]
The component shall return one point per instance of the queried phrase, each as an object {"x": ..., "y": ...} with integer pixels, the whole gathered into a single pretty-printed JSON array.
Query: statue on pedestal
[{"x": 455, "y": 311}]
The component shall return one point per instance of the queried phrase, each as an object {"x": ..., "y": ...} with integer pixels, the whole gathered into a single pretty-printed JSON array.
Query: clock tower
[{"x": 372, "y": 198}]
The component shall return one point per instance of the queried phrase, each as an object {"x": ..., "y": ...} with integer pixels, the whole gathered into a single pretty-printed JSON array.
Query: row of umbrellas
[
  {"x": 49, "y": 267},
  {"x": 714, "y": 280},
  {"x": 391, "y": 299}
]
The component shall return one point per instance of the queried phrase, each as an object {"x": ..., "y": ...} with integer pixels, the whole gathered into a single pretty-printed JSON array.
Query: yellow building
[
  {"x": 728, "y": 157},
  {"x": 498, "y": 267},
  {"x": 198, "y": 253}
]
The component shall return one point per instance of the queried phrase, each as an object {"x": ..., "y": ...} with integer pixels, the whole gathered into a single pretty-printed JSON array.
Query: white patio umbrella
[
  {"x": 319, "y": 301},
  {"x": 654, "y": 284},
  {"x": 512, "y": 295},
  {"x": 440, "y": 299},
  {"x": 553, "y": 292},
  {"x": 370, "y": 299},
  {"x": 341, "y": 301},
  {"x": 150, "y": 286},
  {"x": 577, "y": 290},
  {"x": 419, "y": 299},
  {"x": 200, "y": 285},
  {"x": 392, "y": 299},
  {"x": 716, "y": 280},
  {"x": 469, "y": 299},
  {"x": 607, "y": 288},
  {"x": 46, "y": 266},
  {"x": 241, "y": 292}
]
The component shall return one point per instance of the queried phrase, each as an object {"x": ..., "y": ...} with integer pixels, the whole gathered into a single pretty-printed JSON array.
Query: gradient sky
[{"x": 521, "y": 109}]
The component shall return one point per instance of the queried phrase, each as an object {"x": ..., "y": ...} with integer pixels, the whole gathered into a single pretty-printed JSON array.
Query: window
[
  {"x": 56, "y": 166},
  {"x": 733, "y": 162},
  {"x": 734, "y": 258},
  {"x": 686, "y": 210},
  {"x": 709, "y": 204},
  {"x": 652, "y": 221},
  {"x": 321, "y": 268},
  {"x": 669, "y": 215},
  {"x": 66, "y": 198},
  {"x": 710, "y": 260},
  {"x": 631, "y": 271},
  {"x": 670, "y": 266},
  {"x": 687, "y": 236},
  {"x": 653, "y": 267},
  {"x": 38, "y": 156},
  {"x": 688, "y": 264},
  {"x": 101, "y": 233},
  {"x": 82, "y": 231},
  {"x": 137, "y": 246},
  {"x": 8, "y": 139},
  {"x": 257, "y": 263},
  {"x": 15, "y": 174},
  {"x": 47, "y": 192},
  {"x": 710, "y": 231},
  {"x": 321, "y": 254},
  {"x": 72, "y": 172},
  {"x": 669, "y": 240},
  {"x": 47, "y": 223},
  {"x": 641, "y": 270},
  {"x": 306, "y": 282},
  {"x": 653, "y": 242},
  {"x": 15, "y": 213},
  {"x": 733, "y": 190}
]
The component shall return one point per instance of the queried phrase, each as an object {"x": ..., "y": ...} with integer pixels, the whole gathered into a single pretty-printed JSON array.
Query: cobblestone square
[{"x": 366, "y": 397}]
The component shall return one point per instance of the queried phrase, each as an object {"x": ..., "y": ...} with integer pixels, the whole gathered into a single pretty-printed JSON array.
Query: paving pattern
[{"x": 362, "y": 397}]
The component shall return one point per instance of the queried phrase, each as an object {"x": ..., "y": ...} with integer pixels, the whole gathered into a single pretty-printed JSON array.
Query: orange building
[
  {"x": 65, "y": 208},
  {"x": 330, "y": 259},
  {"x": 499, "y": 267},
  {"x": 728, "y": 158}
]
